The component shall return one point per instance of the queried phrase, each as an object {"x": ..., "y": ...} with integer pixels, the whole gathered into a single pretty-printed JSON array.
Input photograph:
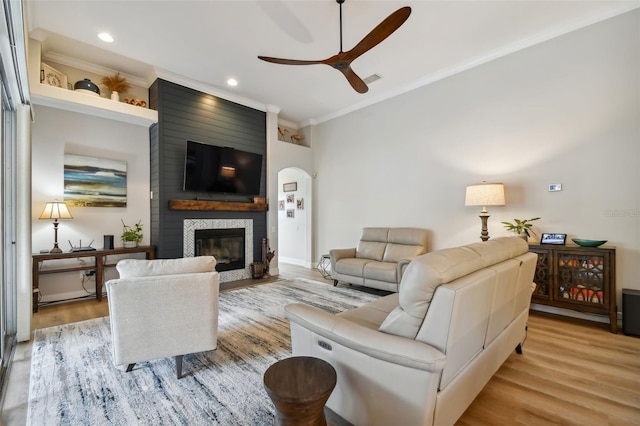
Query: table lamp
[
  {"x": 484, "y": 194},
  {"x": 55, "y": 210}
]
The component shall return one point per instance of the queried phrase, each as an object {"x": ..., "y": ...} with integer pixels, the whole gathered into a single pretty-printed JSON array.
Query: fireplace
[
  {"x": 191, "y": 226},
  {"x": 226, "y": 245}
]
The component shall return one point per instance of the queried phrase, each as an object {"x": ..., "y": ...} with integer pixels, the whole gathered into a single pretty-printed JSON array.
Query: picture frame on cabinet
[
  {"x": 558, "y": 239},
  {"x": 52, "y": 77}
]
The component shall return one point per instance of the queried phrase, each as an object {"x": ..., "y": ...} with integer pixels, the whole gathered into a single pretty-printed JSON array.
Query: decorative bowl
[
  {"x": 86, "y": 85},
  {"x": 588, "y": 243}
]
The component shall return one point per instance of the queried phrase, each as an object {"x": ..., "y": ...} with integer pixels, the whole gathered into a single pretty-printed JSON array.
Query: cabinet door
[
  {"x": 582, "y": 279},
  {"x": 543, "y": 275}
]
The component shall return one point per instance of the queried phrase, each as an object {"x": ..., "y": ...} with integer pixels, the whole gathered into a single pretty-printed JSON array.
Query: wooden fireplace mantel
[{"x": 227, "y": 206}]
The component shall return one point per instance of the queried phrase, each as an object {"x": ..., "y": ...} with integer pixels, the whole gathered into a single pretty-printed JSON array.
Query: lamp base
[
  {"x": 484, "y": 235},
  {"x": 55, "y": 250}
]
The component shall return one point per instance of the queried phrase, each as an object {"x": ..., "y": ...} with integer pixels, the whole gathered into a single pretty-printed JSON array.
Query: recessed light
[
  {"x": 106, "y": 37},
  {"x": 232, "y": 82}
]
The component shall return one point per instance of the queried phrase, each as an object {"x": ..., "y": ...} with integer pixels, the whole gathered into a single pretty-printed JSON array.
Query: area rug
[{"x": 74, "y": 381}]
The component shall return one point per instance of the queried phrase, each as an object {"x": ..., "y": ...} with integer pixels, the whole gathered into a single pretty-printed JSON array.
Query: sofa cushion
[
  {"x": 381, "y": 271},
  {"x": 370, "y": 250},
  {"x": 372, "y": 314},
  {"x": 351, "y": 266},
  {"x": 130, "y": 268},
  {"x": 397, "y": 252},
  {"x": 428, "y": 271},
  {"x": 372, "y": 243}
]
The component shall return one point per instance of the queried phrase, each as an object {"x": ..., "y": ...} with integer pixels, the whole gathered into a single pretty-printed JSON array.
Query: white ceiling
[{"x": 203, "y": 43}]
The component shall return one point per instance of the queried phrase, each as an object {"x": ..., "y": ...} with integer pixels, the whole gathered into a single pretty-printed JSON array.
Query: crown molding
[{"x": 211, "y": 90}]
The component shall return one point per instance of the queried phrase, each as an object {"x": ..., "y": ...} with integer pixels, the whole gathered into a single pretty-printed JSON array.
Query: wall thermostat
[{"x": 553, "y": 187}]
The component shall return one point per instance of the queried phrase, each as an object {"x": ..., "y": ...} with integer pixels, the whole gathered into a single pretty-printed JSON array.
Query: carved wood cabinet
[{"x": 578, "y": 278}]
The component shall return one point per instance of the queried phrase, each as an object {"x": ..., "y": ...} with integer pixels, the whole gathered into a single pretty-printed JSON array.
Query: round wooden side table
[{"x": 299, "y": 387}]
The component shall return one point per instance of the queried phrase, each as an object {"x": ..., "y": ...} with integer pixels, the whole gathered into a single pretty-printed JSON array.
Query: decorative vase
[
  {"x": 115, "y": 96},
  {"x": 130, "y": 244}
]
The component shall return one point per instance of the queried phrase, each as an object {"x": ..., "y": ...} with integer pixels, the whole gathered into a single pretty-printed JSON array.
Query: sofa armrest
[
  {"x": 386, "y": 347},
  {"x": 337, "y": 254},
  {"x": 402, "y": 266}
]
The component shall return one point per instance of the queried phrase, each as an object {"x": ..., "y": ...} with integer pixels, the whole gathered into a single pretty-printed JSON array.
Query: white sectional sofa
[
  {"x": 380, "y": 259},
  {"x": 421, "y": 356}
]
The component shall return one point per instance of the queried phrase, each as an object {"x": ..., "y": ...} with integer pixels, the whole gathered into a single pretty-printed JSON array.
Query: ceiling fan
[{"x": 342, "y": 61}]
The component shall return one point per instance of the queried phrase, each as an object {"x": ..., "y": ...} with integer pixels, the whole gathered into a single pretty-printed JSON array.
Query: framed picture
[
  {"x": 300, "y": 203},
  {"x": 291, "y": 213},
  {"x": 290, "y": 187},
  {"x": 52, "y": 77},
  {"x": 558, "y": 239},
  {"x": 290, "y": 198},
  {"x": 281, "y": 205},
  {"x": 94, "y": 182}
]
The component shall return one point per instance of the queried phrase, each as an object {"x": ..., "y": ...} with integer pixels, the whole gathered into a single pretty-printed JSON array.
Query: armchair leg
[
  {"x": 130, "y": 367},
  {"x": 335, "y": 283},
  {"x": 179, "y": 366}
]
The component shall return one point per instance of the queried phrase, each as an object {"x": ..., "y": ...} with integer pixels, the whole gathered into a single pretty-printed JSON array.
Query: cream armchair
[{"x": 162, "y": 308}]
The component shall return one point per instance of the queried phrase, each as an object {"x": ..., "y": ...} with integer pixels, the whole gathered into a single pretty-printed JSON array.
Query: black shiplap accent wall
[{"x": 186, "y": 114}]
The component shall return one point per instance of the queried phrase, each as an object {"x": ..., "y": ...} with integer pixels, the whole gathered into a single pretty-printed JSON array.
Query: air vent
[{"x": 372, "y": 78}]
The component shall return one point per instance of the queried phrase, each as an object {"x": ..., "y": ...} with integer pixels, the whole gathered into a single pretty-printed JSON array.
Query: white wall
[
  {"x": 566, "y": 111},
  {"x": 284, "y": 155},
  {"x": 294, "y": 233},
  {"x": 56, "y": 132}
]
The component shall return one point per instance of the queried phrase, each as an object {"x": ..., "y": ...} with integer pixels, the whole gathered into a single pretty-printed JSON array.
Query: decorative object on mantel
[
  {"x": 52, "y": 77},
  {"x": 86, "y": 86},
  {"x": 131, "y": 235},
  {"x": 484, "y": 194},
  {"x": 521, "y": 227},
  {"x": 588, "y": 243},
  {"x": 135, "y": 102},
  {"x": 55, "y": 210},
  {"x": 116, "y": 84}
]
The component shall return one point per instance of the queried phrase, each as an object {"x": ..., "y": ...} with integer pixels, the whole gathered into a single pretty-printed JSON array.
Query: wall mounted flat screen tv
[{"x": 224, "y": 170}]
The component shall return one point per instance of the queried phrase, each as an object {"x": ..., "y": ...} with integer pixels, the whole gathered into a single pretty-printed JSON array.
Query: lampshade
[
  {"x": 55, "y": 210},
  {"x": 485, "y": 194}
]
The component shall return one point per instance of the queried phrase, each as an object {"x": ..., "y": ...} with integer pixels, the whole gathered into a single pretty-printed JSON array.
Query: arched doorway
[{"x": 295, "y": 217}]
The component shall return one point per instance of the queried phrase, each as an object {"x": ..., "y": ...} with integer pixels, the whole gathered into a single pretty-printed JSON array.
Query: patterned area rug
[{"x": 74, "y": 381}]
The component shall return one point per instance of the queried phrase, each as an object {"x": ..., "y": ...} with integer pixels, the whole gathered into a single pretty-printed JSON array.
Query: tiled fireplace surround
[{"x": 191, "y": 225}]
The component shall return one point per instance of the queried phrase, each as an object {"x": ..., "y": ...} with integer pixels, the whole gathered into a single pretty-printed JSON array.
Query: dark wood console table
[
  {"x": 99, "y": 263},
  {"x": 582, "y": 279}
]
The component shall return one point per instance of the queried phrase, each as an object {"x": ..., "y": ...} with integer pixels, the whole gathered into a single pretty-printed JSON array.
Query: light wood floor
[{"x": 571, "y": 372}]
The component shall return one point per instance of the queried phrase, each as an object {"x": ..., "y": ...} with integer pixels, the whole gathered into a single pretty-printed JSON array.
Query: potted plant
[
  {"x": 522, "y": 227},
  {"x": 117, "y": 84},
  {"x": 131, "y": 235}
]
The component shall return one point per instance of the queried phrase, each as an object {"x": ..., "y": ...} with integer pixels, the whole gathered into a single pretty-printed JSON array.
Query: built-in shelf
[
  {"x": 56, "y": 97},
  {"x": 217, "y": 205}
]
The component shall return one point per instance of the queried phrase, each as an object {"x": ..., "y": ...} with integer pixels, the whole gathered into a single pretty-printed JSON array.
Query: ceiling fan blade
[
  {"x": 379, "y": 33},
  {"x": 290, "y": 61},
  {"x": 353, "y": 79}
]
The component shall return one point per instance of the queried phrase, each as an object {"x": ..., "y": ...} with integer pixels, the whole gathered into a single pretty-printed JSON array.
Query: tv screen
[{"x": 210, "y": 168}]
